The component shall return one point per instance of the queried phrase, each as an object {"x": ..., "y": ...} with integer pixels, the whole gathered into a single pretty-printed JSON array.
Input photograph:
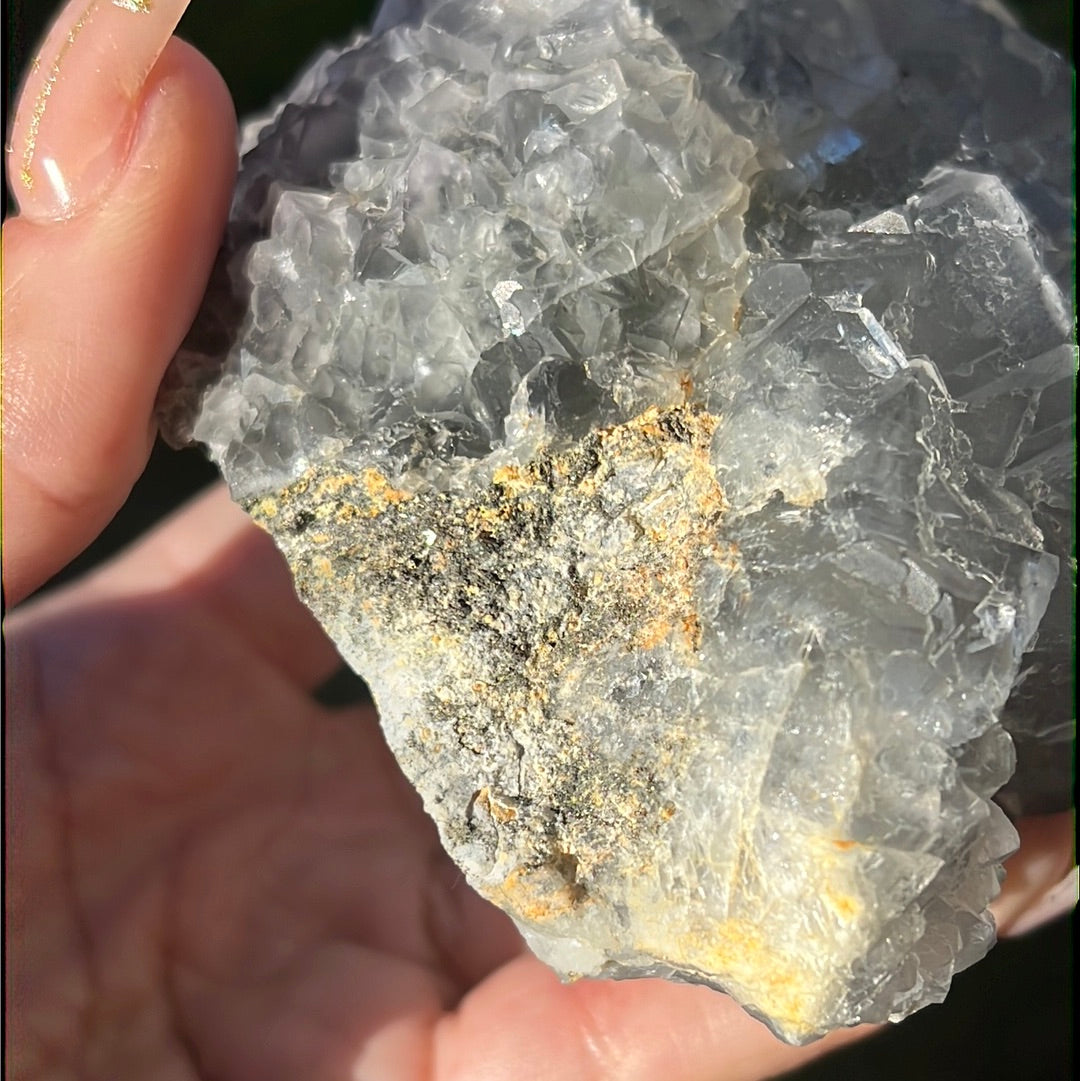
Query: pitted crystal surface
[{"x": 667, "y": 409}]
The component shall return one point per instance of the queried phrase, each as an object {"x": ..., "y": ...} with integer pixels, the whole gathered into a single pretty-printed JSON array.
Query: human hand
[{"x": 211, "y": 875}]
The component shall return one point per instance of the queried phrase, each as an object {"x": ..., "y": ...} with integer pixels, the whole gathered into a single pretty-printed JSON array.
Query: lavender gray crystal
[{"x": 668, "y": 412}]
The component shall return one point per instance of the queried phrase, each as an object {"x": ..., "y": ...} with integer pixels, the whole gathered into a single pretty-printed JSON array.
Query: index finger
[{"x": 96, "y": 304}]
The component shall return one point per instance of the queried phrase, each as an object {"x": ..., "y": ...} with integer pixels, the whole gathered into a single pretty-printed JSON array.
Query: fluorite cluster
[{"x": 668, "y": 410}]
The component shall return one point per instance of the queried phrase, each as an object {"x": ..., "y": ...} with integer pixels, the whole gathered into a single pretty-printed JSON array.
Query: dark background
[{"x": 1009, "y": 1017}]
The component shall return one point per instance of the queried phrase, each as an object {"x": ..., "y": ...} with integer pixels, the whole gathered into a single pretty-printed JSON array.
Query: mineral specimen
[{"x": 668, "y": 411}]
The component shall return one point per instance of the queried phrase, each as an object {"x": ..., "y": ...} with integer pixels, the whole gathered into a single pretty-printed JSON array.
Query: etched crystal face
[{"x": 667, "y": 412}]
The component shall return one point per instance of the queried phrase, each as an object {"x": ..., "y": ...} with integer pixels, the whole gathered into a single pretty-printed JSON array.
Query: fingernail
[
  {"x": 1055, "y": 902},
  {"x": 79, "y": 103}
]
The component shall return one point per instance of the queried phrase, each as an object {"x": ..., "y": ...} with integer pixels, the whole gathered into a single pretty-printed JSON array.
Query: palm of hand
[{"x": 277, "y": 896}]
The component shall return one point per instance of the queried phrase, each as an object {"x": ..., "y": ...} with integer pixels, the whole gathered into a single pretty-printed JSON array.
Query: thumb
[{"x": 105, "y": 267}]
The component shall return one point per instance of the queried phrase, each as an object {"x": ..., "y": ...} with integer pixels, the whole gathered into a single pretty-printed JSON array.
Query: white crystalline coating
[
  {"x": 667, "y": 409},
  {"x": 572, "y": 160}
]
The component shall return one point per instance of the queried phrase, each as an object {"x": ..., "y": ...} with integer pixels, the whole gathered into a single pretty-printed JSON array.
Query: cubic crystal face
[{"x": 667, "y": 411}]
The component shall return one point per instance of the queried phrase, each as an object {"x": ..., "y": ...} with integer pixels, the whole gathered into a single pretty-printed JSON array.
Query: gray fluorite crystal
[{"x": 668, "y": 411}]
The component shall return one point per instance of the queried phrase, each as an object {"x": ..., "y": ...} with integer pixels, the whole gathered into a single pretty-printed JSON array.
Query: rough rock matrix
[{"x": 667, "y": 409}]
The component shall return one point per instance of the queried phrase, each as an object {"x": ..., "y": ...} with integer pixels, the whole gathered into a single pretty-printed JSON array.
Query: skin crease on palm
[{"x": 209, "y": 874}]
